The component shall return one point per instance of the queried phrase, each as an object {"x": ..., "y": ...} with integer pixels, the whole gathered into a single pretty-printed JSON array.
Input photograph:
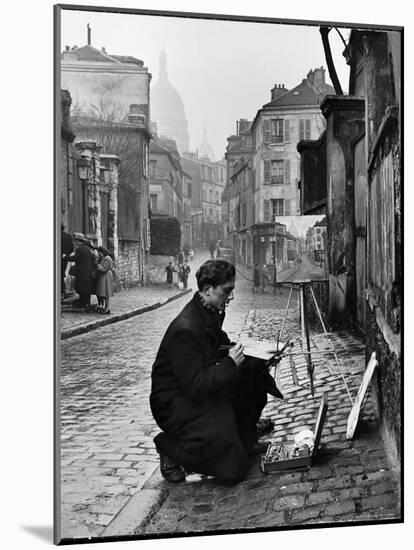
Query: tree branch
[{"x": 329, "y": 61}]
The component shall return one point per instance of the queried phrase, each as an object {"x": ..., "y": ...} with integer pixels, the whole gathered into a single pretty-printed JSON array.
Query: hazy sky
[{"x": 223, "y": 70}]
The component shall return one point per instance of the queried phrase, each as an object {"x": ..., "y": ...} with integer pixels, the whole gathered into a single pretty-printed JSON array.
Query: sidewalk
[
  {"x": 124, "y": 304},
  {"x": 350, "y": 480}
]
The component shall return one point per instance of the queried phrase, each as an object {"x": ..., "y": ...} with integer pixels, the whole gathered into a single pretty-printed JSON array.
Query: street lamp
[{"x": 83, "y": 166}]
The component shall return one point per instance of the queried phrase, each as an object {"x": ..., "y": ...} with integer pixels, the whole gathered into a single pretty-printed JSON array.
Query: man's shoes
[
  {"x": 170, "y": 471},
  {"x": 258, "y": 448}
]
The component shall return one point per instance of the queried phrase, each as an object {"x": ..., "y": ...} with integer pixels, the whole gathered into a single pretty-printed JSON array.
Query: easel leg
[{"x": 305, "y": 335}]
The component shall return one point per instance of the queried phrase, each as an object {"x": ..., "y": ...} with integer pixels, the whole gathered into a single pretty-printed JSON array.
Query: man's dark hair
[{"x": 214, "y": 273}]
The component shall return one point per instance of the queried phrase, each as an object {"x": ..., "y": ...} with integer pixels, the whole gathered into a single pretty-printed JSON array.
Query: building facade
[
  {"x": 170, "y": 186},
  {"x": 291, "y": 116},
  {"x": 363, "y": 205},
  {"x": 110, "y": 107},
  {"x": 239, "y": 147}
]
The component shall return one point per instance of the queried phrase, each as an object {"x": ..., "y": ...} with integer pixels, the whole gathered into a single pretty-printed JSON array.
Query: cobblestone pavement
[
  {"x": 349, "y": 481},
  {"x": 108, "y": 456},
  {"x": 107, "y": 452}
]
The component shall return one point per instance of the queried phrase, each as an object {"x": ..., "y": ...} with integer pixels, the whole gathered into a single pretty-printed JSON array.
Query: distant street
[{"x": 306, "y": 270}]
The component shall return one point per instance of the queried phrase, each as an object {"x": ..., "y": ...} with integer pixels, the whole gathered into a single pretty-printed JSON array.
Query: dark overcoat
[
  {"x": 206, "y": 406},
  {"x": 84, "y": 262}
]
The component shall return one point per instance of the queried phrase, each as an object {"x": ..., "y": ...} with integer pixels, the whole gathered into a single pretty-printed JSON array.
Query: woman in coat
[{"x": 105, "y": 285}]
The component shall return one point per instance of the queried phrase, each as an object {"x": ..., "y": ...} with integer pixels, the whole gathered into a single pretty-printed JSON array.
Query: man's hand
[{"x": 236, "y": 353}]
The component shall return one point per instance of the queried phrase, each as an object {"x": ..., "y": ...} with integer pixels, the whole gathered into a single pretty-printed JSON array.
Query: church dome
[{"x": 167, "y": 109}]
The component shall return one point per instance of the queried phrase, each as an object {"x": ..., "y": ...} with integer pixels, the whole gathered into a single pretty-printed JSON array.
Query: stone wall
[
  {"x": 387, "y": 381},
  {"x": 127, "y": 265}
]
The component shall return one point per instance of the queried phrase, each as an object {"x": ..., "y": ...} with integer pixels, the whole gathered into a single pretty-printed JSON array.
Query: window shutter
[
  {"x": 287, "y": 171},
  {"x": 267, "y": 171},
  {"x": 287, "y": 207},
  {"x": 266, "y": 211},
  {"x": 286, "y": 123},
  {"x": 308, "y": 129},
  {"x": 301, "y": 129},
  {"x": 266, "y": 131}
]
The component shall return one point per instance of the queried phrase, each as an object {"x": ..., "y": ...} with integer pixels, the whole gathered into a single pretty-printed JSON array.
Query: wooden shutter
[
  {"x": 287, "y": 171},
  {"x": 301, "y": 129},
  {"x": 287, "y": 207},
  {"x": 286, "y": 124},
  {"x": 308, "y": 129},
  {"x": 266, "y": 131},
  {"x": 266, "y": 211},
  {"x": 267, "y": 168}
]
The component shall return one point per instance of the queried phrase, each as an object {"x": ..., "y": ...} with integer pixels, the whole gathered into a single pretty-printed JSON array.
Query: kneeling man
[{"x": 205, "y": 400}]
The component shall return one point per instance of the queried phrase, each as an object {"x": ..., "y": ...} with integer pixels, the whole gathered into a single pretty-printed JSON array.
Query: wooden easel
[{"x": 305, "y": 341}]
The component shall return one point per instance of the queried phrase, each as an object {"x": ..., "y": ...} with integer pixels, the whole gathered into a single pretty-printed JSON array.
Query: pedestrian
[
  {"x": 105, "y": 286},
  {"x": 185, "y": 271},
  {"x": 186, "y": 251},
  {"x": 264, "y": 277},
  {"x": 207, "y": 400},
  {"x": 66, "y": 249},
  {"x": 84, "y": 260},
  {"x": 180, "y": 257},
  {"x": 256, "y": 278},
  {"x": 170, "y": 270},
  {"x": 212, "y": 249},
  {"x": 191, "y": 254}
]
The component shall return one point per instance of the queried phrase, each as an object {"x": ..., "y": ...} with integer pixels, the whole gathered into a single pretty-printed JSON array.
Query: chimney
[
  {"x": 317, "y": 78},
  {"x": 103, "y": 50},
  {"x": 243, "y": 124},
  {"x": 277, "y": 91},
  {"x": 89, "y": 34},
  {"x": 67, "y": 48}
]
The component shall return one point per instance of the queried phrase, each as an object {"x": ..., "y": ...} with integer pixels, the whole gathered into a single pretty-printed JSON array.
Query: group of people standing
[{"x": 92, "y": 271}]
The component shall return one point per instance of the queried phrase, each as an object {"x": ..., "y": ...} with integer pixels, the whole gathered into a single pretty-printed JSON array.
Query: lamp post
[{"x": 83, "y": 166}]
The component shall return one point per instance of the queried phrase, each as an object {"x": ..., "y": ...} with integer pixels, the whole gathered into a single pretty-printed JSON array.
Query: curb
[
  {"x": 140, "y": 508},
  {"x": 69, "y": 333}
]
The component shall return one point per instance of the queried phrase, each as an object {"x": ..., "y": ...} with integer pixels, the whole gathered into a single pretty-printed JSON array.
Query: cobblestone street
[{"x": 107, "y": 429}]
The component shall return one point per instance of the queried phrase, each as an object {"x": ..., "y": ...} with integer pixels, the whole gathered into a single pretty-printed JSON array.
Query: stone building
[
  {"x": 239, "y": 146},
  {"x": 291, "y": 116},
  {"x": 167, "y": 109},
  {"x": 170, "y": 186},
  {"x": 111, "y": 108},
  {"x": 362, "y": 190},
  {"x": 88, "y": 185}
]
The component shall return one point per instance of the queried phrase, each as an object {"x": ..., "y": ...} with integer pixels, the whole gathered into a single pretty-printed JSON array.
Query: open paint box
[{"x": 288, "y": 456}]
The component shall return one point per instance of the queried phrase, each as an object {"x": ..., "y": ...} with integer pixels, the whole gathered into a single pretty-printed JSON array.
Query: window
[
  {"x": 276, "y": 126},
  {"x": 153, "y": 167},
  {"x": 211, "y": 213},
  {"x": 244, "y": 214},
  {"x": 154, "y": 199},
  {"x": 210, "y": 195},
  {"x": 145, "y": 159},
  {"x": 278, "y": 207},
  {"x": 304, "y": 129},
  {"x": 277, "y": 172}
]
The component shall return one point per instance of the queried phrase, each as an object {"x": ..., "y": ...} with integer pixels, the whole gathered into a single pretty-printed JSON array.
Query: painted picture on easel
[{"x": 296, "y": 247}]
